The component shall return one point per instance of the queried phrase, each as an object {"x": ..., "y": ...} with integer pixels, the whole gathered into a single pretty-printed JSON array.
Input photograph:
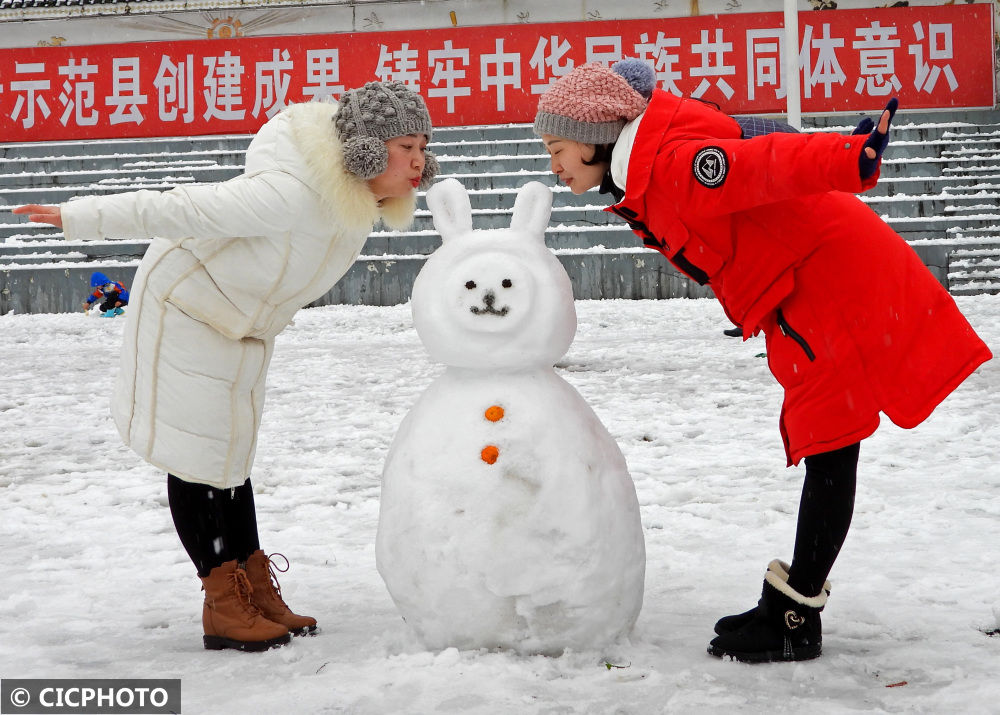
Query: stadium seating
[{"x": 940, "y": 189}]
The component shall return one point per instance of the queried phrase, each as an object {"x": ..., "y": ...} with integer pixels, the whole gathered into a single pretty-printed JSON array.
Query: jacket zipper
[
  {"x": 679, "y": 260},
  {"x": 787, "y": 331}
]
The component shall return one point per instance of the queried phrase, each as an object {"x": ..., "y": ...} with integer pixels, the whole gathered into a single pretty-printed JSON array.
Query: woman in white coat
[{"x": 228, "y": 267}]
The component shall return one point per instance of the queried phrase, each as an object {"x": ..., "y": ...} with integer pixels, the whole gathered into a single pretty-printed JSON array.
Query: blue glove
[
  {"x": 876, "y": 141},
  {"x": 864, "y": 127}
]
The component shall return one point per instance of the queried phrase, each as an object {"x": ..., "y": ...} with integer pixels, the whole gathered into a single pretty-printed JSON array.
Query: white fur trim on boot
[
  {"x": 780, "y": 585},
  {"x": 780, "y": 569}
]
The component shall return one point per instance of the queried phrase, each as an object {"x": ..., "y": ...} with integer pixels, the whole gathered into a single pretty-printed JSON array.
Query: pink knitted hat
[{"x": 593, "y": 103}]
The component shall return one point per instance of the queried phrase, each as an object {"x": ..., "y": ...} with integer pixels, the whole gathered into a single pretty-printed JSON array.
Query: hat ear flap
[
  {"x": 365, "y": 157},
  {"x": 431, "y": 169}
]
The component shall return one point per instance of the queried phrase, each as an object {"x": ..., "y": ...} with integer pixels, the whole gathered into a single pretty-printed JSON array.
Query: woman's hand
[
  {"x": 877, "y": 141},
  {"x": 41, "y": 214}
]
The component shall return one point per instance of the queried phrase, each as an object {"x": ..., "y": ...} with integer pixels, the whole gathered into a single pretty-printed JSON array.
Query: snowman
[{"x": 508, "y": 518}]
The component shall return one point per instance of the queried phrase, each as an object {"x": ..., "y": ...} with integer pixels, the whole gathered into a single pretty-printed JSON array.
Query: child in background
[
  {"x": 112, "y": 295},
  {"x": 855, "y": 325}
]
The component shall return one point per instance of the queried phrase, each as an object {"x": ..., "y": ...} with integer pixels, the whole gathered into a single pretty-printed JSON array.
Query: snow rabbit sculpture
[{"x": 508, "y": 516}]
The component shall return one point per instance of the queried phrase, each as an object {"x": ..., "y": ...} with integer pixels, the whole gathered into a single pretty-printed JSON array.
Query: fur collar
[{"x": 346, "y": 197}]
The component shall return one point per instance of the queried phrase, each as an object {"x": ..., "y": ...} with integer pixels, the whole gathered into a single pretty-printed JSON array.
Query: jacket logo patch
[{"x": 710, "y": 167}]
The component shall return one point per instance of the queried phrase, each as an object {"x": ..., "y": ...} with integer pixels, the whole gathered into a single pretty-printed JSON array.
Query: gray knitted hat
[
  {"x": 593, "y": 103},
  {"x": 367, "y": 117}
]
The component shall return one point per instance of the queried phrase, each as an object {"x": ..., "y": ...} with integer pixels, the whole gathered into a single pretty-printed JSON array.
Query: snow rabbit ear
[
  {"x": 449, "y": 204},
  {"x": 532, "y": 209}
]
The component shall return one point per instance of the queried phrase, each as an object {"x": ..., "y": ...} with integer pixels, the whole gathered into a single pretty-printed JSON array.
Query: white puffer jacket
[{"x": 230, "y": 265}]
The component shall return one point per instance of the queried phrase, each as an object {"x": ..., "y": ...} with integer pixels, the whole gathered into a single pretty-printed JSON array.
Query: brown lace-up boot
[
  {"x": 229, "y": 616},
  {"x": 267, "y": 594}
]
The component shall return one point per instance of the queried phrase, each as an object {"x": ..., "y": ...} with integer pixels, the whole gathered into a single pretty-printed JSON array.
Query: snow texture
[
  {"x": 95, "y": 583},
  {"x": 508, "y": 516}
]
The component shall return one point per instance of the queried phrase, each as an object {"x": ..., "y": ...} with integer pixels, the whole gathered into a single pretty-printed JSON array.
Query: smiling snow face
[{"x": 493, "y": 298}]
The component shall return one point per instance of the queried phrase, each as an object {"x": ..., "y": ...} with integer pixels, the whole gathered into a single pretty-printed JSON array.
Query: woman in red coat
[{"x": 855, "y": 324}]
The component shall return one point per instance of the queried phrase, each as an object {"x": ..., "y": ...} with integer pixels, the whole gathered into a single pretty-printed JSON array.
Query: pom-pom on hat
[
  {"x": 593, "y": 103},
  {"x": 369, "y": 116}
]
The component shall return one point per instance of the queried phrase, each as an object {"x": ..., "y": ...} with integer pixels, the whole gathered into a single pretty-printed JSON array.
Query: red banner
[{"x": 850, "y": 60}]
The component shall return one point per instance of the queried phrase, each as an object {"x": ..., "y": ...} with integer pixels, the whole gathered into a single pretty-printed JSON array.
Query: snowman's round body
[
  {"x": 540, "y": 550},
  {"x": 508, "y": 517}
]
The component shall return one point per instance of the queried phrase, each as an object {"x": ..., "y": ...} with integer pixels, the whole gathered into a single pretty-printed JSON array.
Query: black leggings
[
  {"x": 825, "y": 513},
  {"x": 215, "y": 525}
]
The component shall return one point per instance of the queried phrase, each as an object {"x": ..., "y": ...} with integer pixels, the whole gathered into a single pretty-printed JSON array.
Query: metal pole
[{"x": 792, "y": 90}]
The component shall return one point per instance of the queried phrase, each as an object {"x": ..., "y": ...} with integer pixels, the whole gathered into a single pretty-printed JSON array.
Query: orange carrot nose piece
[
  {"x": 494, "y": 413},
  {"x": 490, "y": 454}
]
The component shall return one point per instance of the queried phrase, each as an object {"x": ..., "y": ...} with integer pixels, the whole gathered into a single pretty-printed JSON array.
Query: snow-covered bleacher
[{"x": 940, "y": 189}]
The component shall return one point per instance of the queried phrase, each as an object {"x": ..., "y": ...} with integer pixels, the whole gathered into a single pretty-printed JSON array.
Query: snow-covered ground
[{"x": 95, "y": 583}]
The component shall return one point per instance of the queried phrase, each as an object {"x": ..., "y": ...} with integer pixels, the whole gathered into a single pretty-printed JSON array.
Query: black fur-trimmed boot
[
  {"x": 728, "y": 624},
  {"x": 785, "y": 626}
]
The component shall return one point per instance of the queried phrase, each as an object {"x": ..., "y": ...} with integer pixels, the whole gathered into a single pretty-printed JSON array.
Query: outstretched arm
[
  {"x": 244, "y": 206},
  {"x": 711, "y": 177}
]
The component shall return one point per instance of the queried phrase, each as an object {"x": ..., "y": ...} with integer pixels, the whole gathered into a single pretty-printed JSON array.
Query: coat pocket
[
  {"x": 789, "y": 332},
  {"x": 182, "y": 281},
  {"x": 789, "y": 356}
]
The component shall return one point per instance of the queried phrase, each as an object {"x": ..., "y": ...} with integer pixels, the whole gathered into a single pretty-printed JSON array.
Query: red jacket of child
[{"x": 855, "y": 323}]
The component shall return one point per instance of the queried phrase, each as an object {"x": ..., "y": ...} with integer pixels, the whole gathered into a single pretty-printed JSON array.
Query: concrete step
[
  {"x": 926, "y": 165},
  {"x": 942, "y": 227},
  {"x": 105, "y": 183},
  {"x": 378, "y": 280},
  {"x": 961, "y": 237},
  {"x": 920, "y": 205},
  {"x": 117, "y": 178},
  {"x": 979, "y": 260},
  {"x": 228, "y": 142},
  {"x": 494, "y": 211},
  {"x": 379, "y": 243},
  {"x": 137, "y": 147},
  {"x": 511, "y": 180},
  {"x": 918, "y": 185},
  {"x": 973, "y": 271},
  {"x": 947, "y": 216},
  {"x": 891, "y": 182},
  {"x": 970, "y": 173},
  {"x": 499, "y": 217},
  {"x": 565, "y": 237},
  {"x": 101, "y": 160},
  {"x": 62, "y": 250},
  {"x": 933, "y": 246},
  {"x": 484, "y": 132},
  {"x": 41, "y": 258},
  {"x": 44, "y": 188},
  {"x": 990, "y": 287},
  {"x": 507, "y": 147}
]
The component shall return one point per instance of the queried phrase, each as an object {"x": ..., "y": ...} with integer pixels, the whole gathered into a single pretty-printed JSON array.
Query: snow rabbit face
[{"x": 495, "y": 298}]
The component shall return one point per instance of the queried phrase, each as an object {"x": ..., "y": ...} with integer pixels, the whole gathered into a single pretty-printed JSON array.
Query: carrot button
[
  {"x": 489, "y": 454},
  {"x": 494, "y": 413}
]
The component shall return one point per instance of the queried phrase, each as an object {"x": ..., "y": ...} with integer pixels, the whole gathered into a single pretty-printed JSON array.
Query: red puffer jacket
[{"x": 855, "y": 323}]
